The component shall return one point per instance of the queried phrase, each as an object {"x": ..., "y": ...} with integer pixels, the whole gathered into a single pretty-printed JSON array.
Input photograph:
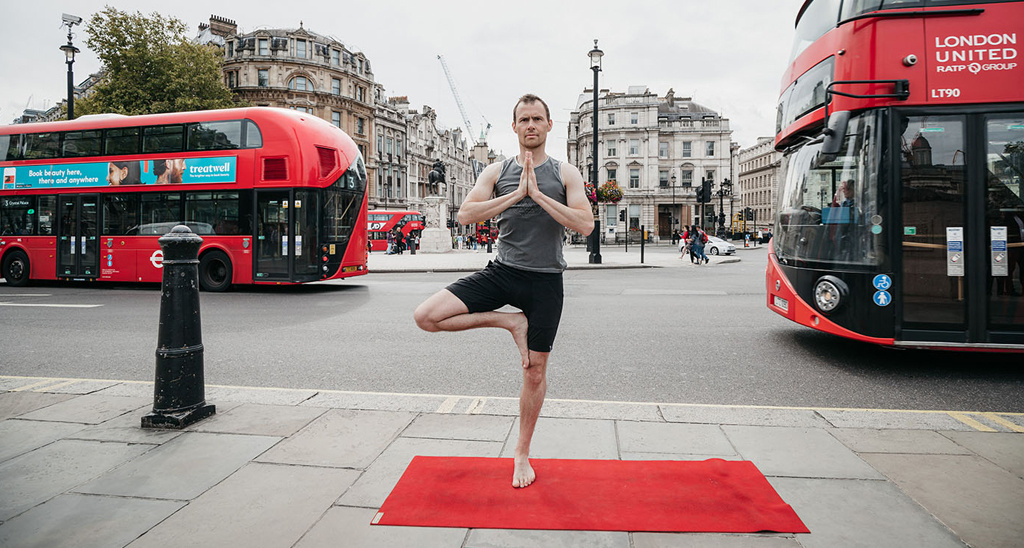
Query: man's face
[
  {"x": 532, "y": 124},
  {"x": 848, "y": 191}
]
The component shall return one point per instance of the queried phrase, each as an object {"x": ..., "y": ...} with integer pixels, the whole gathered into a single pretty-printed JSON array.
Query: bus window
[
  {"x": 215, "y": 135},
  {"x": 820, "y": 17},
  {"x": 17, "y": 216},
  {"x": 253, "y": 137},
  {"x": 122, "y": 141},
  {"x": 120, "y": 214},
  {"x": 163, "y": 139},
  {"x": 42, "y": 145},
  {"x": 217, "y": 209},
  {"x": 82, "y": 143},
  {"x": 47, "y": 211},
  {"x": 159, "y": 209},
  {"x": 10, "y": 147}
]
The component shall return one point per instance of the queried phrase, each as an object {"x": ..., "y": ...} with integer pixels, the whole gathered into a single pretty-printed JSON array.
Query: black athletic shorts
[{"x": 538, "y": 294}]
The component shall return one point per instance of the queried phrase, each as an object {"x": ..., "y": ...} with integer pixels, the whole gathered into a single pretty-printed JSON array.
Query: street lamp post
[
  {"x": 724, "y": 189},
  {"x": 595, "y": 242},
  {"x": 70, "y": 50},
  {"x": 672, "y": 215}
]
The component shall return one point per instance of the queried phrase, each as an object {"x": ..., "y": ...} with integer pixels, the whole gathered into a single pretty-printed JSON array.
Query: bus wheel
[
  {"x": 16, "y": 268},
  {"x": 214, "y": 271}
]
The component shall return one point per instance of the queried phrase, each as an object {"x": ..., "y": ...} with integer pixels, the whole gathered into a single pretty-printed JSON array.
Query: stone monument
[{"x": 436, "y": 237}]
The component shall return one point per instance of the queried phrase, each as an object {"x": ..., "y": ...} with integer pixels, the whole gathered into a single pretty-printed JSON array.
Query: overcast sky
[{"x": 726, "y": 54}]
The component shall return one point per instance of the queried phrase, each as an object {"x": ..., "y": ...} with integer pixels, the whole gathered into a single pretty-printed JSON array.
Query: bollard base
[{"x": 177, "y": 421}]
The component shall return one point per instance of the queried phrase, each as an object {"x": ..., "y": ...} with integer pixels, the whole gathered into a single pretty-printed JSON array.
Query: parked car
[{"x": 718, "y": 246}]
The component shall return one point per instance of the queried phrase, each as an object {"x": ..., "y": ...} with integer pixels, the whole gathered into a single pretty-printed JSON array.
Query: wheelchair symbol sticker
[
  {"x": 882, "y": 282},
  {"x": 882, "y": 298}
]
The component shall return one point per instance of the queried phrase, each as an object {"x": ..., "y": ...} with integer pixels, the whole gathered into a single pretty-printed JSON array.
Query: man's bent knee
[{"x": 439, "y": 307}]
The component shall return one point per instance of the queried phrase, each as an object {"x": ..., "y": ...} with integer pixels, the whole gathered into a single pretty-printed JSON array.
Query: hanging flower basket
[{"x": 607, "y": 193}]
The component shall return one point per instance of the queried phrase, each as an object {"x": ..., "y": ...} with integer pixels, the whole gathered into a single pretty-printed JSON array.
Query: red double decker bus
[
  {"x": 379, "y": 222},
  {"x": 901, "y": 213},
  {"x": 277, "y": 196}
]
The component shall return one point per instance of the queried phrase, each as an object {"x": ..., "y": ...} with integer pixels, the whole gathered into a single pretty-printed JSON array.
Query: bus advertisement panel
[{"x": 127, "y": 172}]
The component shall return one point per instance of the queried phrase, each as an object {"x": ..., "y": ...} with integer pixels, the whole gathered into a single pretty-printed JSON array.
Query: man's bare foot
[
  {"x": 518, "y": 330},
  {"x": 522, "y": 474}
]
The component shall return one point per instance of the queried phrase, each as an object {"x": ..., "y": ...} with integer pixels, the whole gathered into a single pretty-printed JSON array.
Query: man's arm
[
  {"x": 479, "y": 206},
  {"x": 576, "y": 214}
]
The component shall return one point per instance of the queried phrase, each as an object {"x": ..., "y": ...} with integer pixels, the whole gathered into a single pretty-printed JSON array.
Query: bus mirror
[{"x": 835, "y": 132}]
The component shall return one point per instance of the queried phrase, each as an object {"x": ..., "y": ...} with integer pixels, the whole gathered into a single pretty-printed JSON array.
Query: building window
[
  {"x": 303, "y": 109},
  {"x": 662, "y": 150},
  {"x": 231, "y": 49},
  {"x": 710, "y": 176},
  {"x": 232, "y": 79},
  {"x": 634, "y": 178},
  {"x": 687, "y": 151},
  {"x": 710, "y": 148},
  {"x": 335, "y": 86},
  {"x": 300, "y": 49},
  {"x": 335, "y": 57},
  {"x": 611, "y": 118},
  {"x": 336, "y": 118},
  {"x": 663, "y": 178},
  {"x": 398, "y": 150},
  {"x": 264, "y": 46},
  {"x": 634, "y": 216},
  {"x": 301, "y": 83},
  {"x": 611, "y": 174},
  {"x": 360, "y": 66},
  {"x": 389, "y": 144},
  {"x": 263, "y": 78},
  {"x": 687, "y": 177},
  {"x": 611, "y": 148},
  {"x": 634, "y": 118},
  {"x": 634, "y": 147},
  {"x": 360, "y": 93},
  {"x": 611, "y": 215},
  {"x": 361, "y": 126}
]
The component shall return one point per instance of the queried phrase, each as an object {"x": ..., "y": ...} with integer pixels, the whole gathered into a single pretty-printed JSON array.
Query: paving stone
[
  {"x": 342, "y": 438},
  {"x": 265, "y": 505},
  {"x": 376, "y": 402},
  {"x": 568, "y": 439},
  {"x": 980, "y": 501},
  {"x": 704, "y": 540},
  {"x": 274, "y": 396},
  {"x": 800, "y": 452},
  {"x": 353, "y": 525},
  {"x": 127, "y": 428},
  {"x": 182, "y": 468},
  {"x": 85, "y": 521},
  {"x": 129, "y": 389},
  {"x": 892, "y": 419},
  {"x": 754, "y": 416},
  {"x": 380, "y": 478},
  {"x": 861, "y": 514},
  {"x": 675, "y": 456},
  {"x": 37, "y": 476},
  {"x": 84, "y": 386},
  {"x": 864, "y": 440},
  {"x": 261, "y": 420},
  {"x": 13, "y": 404},
  {"x": 652, "y": 437},
  {"x": 599, "y": 410},
  {"x": 460, "y": 427},
  {"x": 23, "y": 436},
  {"x": 88, "y": 409},
  {"x": 1003, "y": 450},
  {"x": 504, "y": 538}
]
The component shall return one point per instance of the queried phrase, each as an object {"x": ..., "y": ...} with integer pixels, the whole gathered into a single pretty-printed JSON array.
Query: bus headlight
[{"x": 830, "y": 293}]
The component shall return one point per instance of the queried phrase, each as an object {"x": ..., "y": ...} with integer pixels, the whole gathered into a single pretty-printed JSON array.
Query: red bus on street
[
  {"x": 278, "y": 197},
  {"x": 379, "y": 222},
  {"x": 901, "y": 213}
]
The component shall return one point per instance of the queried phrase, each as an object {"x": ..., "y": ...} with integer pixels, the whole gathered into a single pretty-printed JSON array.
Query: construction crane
[{"x": 462, "y": 109}]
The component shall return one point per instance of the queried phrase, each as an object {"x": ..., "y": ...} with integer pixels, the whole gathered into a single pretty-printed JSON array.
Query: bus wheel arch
[
  {"x": 215, "y": 271},
  {"x": 16, "y": 268}
]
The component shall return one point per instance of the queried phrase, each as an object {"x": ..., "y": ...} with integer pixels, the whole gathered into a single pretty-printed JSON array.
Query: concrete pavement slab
[
  {"x": 341, "y": 438},
  {"x": 13, "y": 404},
  {"x": 353, "y": 525},
  {"x": 505, "y": 538},
  {"x": 703, "y": 540},
  {"x": 265, "y": 505},
  {"x": 653, "y": 437},
  {"x": 574, "y": 409},
  {"x": 798, "y": 452},
  {"x": 567, "y": 439},
  {"x": 375, "y": 402},
  {"x": 269, "y": 396},
  {"x": 260, "y": 420},
  {"x": 629, "y": 455},
  {"x": 39, "y": 475},
  {"x": 983, "y": 503},
  {"x": 88, "y": 409},
  {"x": 900, "y": 420},
  {"x": 460, "y": 427},
  {"x": 85, "y": 521},
  {"x": 77, "y": 386},
  {"x": 23, "y": 436},
  {"x": 125, "y": 428},
  {"x": 1003, "y": 450},
  {"x": 861, "y": 514},
  {"x": 374, "y": 486},
  {"x": 865, "y": 440},
  {"x": 752, "y": 416},
  {"x": 130, "y": 389},
  {"x": 182, "y": 468}
]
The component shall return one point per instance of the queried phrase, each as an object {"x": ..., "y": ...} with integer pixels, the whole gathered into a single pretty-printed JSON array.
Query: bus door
[
  {"x": 962, "y": 228},
  {"x": 77, "y": 237},
  {"x": 286, "y": 237}
]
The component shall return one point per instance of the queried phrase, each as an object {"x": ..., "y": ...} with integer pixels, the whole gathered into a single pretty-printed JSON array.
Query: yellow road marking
[
  {"x": 962, "y": 417},
  {"x": 447, "y": 405},
  {"x": 1003, "y": 422},
  {"x": 35, "y": 385},
  {"x": 56, "y": 386},
  {"x": 476, "y": 406}
]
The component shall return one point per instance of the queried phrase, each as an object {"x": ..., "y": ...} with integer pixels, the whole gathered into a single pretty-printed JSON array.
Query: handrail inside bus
[
  {"x": 915, "y": 13},
  {"x": 901, "y": 91}
]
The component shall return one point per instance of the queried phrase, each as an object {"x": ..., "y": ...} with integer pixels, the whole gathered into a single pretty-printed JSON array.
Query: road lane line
[
  {"x": 447, "y": 405},
  {"x": 476, "y": 406},
  {"x": 1003, "y": 422},
  {"x": 40, "y": 305},
  {"x": 35, "y": 385},
  {"x": 962, "y": 417},
  {"x": 56, "y": 386}
]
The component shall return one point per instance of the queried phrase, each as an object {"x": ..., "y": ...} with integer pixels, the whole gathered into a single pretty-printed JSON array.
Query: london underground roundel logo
[{"x": 157, "y": 259}]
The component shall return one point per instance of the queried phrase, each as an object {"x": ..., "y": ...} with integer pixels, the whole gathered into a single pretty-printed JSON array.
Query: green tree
[{"x": 151, "y": 66}]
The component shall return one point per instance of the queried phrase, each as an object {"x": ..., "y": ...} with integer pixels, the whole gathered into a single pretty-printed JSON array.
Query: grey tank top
[{"x": 528, "y": 237}]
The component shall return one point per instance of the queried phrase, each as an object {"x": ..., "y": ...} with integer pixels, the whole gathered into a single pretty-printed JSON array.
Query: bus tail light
[{"x": 830, "y": 293}]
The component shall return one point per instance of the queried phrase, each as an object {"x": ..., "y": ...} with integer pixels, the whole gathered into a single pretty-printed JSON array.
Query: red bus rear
[
  {"x": 379, "y": 222},
  {"x": 901, "y": 213},
  {"x": 277, "y": 196}
]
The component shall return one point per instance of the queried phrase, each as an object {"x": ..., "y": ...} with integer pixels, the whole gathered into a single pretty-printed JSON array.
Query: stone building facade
[
  {"x": 759, "y": 168},
  {"x": 658, "y": 150}
]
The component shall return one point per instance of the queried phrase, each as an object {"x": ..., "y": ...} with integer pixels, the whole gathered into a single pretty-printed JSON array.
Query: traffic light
[
  {"x": 705, "y": 190},
  {"x": 750, "y": 214},
  {"x": 450, "y": 223},
  {"x": 622, "y": 215}
]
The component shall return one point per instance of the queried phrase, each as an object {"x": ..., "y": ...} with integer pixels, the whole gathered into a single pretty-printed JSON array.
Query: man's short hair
[{"x": 530, "y": 98}]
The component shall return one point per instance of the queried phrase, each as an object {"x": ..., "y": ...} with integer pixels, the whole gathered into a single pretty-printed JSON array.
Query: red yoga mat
[{"x": 712, "y": 496}]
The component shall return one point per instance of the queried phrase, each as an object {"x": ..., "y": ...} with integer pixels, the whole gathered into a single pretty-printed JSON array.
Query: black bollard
[{"x": 179, "y": 393}]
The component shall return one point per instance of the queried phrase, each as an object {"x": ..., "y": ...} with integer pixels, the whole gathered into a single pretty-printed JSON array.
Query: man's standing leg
[{"x": 531, "y": 399}]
